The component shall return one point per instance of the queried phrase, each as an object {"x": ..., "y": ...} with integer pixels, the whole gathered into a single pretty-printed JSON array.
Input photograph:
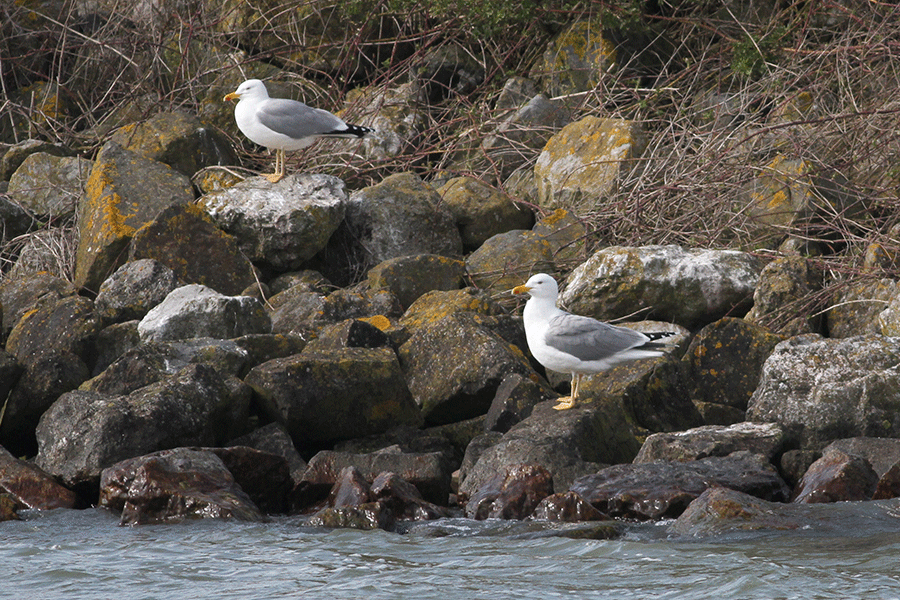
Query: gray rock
[
  {"x": 664, "y": 489},
  {"x": 820, "y": 389},
  {"x": 324, "y": 397},
  {"x": 454, "y": 366},
  {"x": 281, "y": 225},
  {"x": 690, "y": 287},
  {"x": 275, "y": 439},
  {"x": 134, "y": 289},
  {"x": 197, "y": 311},
  {"x": 48, "y": 185},
  {"x": 781, "y": 301},
  {"x": 882, "y": 453},
  {"x": 766, "y": 439},
  {"x": 86, "y": 432},
  {"x": 400, "y": 216},
  {"x": 568, "y": 444}
]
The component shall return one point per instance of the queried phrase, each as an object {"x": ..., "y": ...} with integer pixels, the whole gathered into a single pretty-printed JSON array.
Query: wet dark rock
[
  {"x": 173, "y": 237},
  {"x": 471, "y": 361},
  {"x": 428, "y": 472},
  {"x": 882, "y": 453},
  {"x": 712, "y": 440},
  {"x": 404, "y": 499},
  {"x": 568, "y": 444},
  {"x": 512, "y": 493},
  {"x": 664, "y": 489},
  {"x": 264, "y": 476},
  {"x": 373, "y": 515},
  {"x": 566, "y": 507},
  {"x": 350, "y": 489},
  {"x": 274, "y": 439},
  {"x": 84, "y": 432},
  {"x": 889, "y": 484},
  {"x": 794, "y": 463},
  {"x": 31, "y": 487},
  {"x": 324, "y": 397},
  {"x": 837, "y": 477},
  {"x": 173, "y": 485},
  {"x": 720, "y": 511},
  {"x": 8, "y": 508}
]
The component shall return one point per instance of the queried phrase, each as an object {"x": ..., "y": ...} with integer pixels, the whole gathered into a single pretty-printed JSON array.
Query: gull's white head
[
  {"x": 252, "y": 88},
  {"x": 539, "y": 286}
]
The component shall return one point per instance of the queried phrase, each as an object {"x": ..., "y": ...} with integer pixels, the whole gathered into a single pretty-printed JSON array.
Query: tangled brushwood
[{"x": 784, "y": 114}]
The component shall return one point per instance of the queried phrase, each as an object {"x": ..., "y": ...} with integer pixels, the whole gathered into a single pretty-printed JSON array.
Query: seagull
[
  {"x": 284, "y": 124},
  {"x": 575, "y": 344}
]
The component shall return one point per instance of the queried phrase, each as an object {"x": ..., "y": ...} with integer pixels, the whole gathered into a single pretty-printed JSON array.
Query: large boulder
[
  {"x": 31, "y": 487},
  {"x": 281, "y": 225},
  {"x": 173, "y": 485},
  {"x": 822, "y": 389},
  {"x": 177, "y": 139},
  {"x": 173, "y": 237},
  {"x": 124, "y": 192},
  {"x": 85, "y": 432},
  {"x": 454, "y": 366},
  {"x": 399, "y": 216},
  {"x": 691, "y": 287},
  {"x": 327, "y": 396},
  {"x": 664, "y": 489},
  {"x": 197, "y": 311},
  {"x": 482, "y": 211},
  {"x": 584, "y": 163}
]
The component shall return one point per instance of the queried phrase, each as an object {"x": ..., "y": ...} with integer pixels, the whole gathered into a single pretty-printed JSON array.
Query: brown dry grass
[{"x": 688, "y": 188}]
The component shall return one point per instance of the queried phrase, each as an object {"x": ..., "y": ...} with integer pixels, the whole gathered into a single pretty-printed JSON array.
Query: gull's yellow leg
[
  {"x": 568, "y": 402},
  {"x": 278, "y": 175}
]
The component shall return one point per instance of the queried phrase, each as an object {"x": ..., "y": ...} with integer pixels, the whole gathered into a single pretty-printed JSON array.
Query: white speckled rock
[
  {"x": 283, "y": 224},
  {"x": 195, "y": 311},
  {"x": 690, "y": 287}
]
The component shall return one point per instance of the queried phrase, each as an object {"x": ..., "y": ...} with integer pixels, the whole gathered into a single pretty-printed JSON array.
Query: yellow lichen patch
[{"x": 379, "y": 321}]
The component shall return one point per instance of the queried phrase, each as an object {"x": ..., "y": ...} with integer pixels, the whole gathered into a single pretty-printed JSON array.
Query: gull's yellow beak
[
  {"x": 521, "y": 289},
  {"x": 231, "y": 96}
]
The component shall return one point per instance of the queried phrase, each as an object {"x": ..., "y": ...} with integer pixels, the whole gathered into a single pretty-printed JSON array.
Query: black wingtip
[{"x": 357, "y": 130}]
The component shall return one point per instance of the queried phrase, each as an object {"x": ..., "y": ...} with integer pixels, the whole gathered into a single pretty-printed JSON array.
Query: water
[{"x": 85, "y": 554}]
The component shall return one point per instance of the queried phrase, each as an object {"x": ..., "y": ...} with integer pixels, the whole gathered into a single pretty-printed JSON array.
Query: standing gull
[
  {"x": 574, "y": 344},
  {"x": 284, "y": 124}
]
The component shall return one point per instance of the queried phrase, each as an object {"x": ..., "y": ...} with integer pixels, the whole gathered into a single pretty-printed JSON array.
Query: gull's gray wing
[
  {"x": 589, "y": 339},
  {"x": 297, "y": 120}
]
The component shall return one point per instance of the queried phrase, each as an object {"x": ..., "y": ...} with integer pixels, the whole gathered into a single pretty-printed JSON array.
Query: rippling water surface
[{"x": 85, "y": 554}]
